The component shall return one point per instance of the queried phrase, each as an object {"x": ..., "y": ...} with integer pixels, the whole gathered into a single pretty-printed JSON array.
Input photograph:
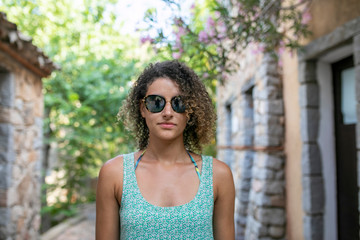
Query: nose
[{"x": 167, "y": 111}]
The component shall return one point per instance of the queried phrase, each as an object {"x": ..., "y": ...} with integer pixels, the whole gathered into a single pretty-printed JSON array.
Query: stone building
[
  {"x": 22, "y": 66},
  {"x": 290, "y": 133}
]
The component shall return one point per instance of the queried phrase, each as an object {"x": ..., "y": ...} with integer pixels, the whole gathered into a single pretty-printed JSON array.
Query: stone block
[
  {"x": 277, "y": 201},
  {"x": 266, "y": 119},
  {"x": 357, "y": 83},
  {"x": 269, "y": 130},
  {"x": 244, "y": 196},
  {"x": 272, "y": 107},
  {"x": 265, "y": 160},
  {"x": 28, "y": 113},
  {"x": 357, "y": 127},
  {"x": 3, "y": 157},
  {"x": 309, "y": 95},
  {"x": 39, "y": 107},
  {"x": 17, "y": 212},
  {"x": 268, "y": 69},
  {"x": 3, "y": 198},
  {"x": 245, "y": 185},
  {"x": 245, "y": 173},
  {"x": 3, "y": 232},
  {"x": 27, "y": 89},
  {"x": 309, "y": 124},
  {"x": 5, "y": 114},
  {"x": 256, "y": 227},
  {"x": 358, "y": 170},
  {"x": 268, "y": 141},
  {"x": 263, "y": 200},
  {"x": 257, "y": 185},
  {"x": 28, "y": 141},
  {"x": 276, "y": 231},
  {"x": 313, "y": 227},
  {"x": 7, "y": 90},
  {"x": 6, "y": 136},
  {"x": 263, "y": 173},
  {"x": 38, "y": 141},
  {"x": 307, "y": 72},
  {"x": 10, "y": 115},
  {"x": 268, "y": 92},
  {"x": 243, "y": 209},
  {"x": 274, "y": 187},
  {"x": 311, "y": 159},
  {"x": 313, "y": 194},
  {"x": 13, "y": 196},
  {"x": 280, "y": 174},
  {"x": 269, "y": 80},
  {"x": 4, "y": 176},
  {"x": 273, "y": 216},
  {"x": 356, "y": 47},
  {"x": 4, "y": 216},
  {"x": 19, "y": 104}
]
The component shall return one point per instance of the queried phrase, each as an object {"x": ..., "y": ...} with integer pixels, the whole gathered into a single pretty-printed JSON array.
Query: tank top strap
[
  {"x": 129, "y": 181},
  {"x": 206, "y": 177}
]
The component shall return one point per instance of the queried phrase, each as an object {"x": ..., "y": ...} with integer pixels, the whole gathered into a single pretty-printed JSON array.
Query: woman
[{"x": 166, "y": 190}]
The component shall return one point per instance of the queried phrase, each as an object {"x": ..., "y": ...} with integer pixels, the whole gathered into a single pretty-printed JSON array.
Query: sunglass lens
[
  {"x": 155, "y": 103},
  {"x": 178, "y": 104}
]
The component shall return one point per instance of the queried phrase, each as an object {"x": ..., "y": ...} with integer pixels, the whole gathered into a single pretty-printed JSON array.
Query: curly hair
[{"x": 200, "y": 113}]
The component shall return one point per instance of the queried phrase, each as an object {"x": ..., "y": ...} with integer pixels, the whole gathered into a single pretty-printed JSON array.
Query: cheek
[
  {"x": 184, "y": 120},
  {"x": 142, "y": 110}
]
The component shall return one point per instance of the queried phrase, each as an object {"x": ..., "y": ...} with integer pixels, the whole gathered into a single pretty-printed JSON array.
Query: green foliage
[
  {"x": 217, "y": 30},
  {"x": 97, "y": 65}
]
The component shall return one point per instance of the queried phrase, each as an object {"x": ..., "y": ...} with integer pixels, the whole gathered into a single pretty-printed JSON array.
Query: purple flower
[
  {"x": 203, "y": 37},
  {"x": 306, "y": 17},
  {"x": 257, "y": 49},
  {"x": 212, "y": 32},
  {"x": 145, "y": 39},
  {"x": 181, "y": 31},
  {"x": 210, "y": 22},
  {"x": 217, "y": 14},
  {"x": 176, "y": 55},
  {"x": 177, "y": 44},
  {"x": 178, "y": 21}
]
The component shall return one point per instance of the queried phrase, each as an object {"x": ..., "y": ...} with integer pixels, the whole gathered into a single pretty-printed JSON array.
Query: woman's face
[{"x": 166, "y": 124}]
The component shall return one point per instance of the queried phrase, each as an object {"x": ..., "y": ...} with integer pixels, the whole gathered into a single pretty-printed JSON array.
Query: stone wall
[
  {"x": 21, "y": 110},
  {"x": 250, "y": 139},
  {"x": 312, "y": 171}
]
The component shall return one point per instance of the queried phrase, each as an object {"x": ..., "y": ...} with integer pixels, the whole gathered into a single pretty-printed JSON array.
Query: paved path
[{"x": 81, "y": 227}]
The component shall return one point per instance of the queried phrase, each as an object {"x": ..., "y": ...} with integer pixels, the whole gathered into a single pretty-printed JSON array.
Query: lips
[{"x": 167, "y": 124}]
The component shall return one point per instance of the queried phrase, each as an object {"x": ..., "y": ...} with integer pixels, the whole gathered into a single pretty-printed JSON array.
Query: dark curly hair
[{"x": 200, "y": 113}]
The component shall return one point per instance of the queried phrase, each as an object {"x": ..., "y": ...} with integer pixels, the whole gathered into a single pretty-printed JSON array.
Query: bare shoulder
[
  {"x": 221, "y": 170},
  {"x": 110, "y": 179},
  {"x": 112, "y": 167},
  {"x": 223, "y": 179}
]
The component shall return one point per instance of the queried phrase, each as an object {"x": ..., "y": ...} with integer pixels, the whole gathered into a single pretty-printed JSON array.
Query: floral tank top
[{"x": 141, "y": 220}]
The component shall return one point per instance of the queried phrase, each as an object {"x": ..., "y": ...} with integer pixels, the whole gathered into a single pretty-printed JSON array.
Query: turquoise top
[{"x": 141, "y": 220}]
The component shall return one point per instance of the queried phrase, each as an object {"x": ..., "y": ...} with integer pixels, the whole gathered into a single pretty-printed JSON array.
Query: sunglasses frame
[{"x": 171, "y": 102}]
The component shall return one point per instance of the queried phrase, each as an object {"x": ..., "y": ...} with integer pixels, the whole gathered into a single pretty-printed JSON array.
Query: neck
[{"x": 169, "y": 152}]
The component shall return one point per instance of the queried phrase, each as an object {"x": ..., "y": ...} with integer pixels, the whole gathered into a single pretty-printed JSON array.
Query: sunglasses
[{"x": 156, "y": 103}]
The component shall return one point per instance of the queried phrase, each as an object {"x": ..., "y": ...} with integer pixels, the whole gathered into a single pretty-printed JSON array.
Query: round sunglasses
[{"x": 156, "y": 103}]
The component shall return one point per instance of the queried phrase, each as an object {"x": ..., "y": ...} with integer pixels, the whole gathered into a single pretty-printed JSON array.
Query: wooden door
[{"x": 346, "y": 157}]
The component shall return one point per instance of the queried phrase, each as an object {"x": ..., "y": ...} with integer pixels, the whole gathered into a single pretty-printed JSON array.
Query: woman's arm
[
  {"x": 108, "y": 197},
  {"x": 224, "y": 193}
]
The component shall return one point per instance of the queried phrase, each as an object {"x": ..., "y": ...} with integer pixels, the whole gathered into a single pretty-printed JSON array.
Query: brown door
[{"x": 346, "y": 162}]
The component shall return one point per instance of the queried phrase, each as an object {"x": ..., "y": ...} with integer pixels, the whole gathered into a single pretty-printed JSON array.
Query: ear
[{"x": 142, "y": 109}]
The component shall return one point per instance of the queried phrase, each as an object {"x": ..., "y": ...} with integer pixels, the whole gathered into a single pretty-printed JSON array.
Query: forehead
[{"x": 164, "y": 87}]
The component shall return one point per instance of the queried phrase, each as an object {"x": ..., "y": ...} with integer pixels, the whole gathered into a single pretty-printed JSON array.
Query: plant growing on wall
[{"x": 216, "y": 31}]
